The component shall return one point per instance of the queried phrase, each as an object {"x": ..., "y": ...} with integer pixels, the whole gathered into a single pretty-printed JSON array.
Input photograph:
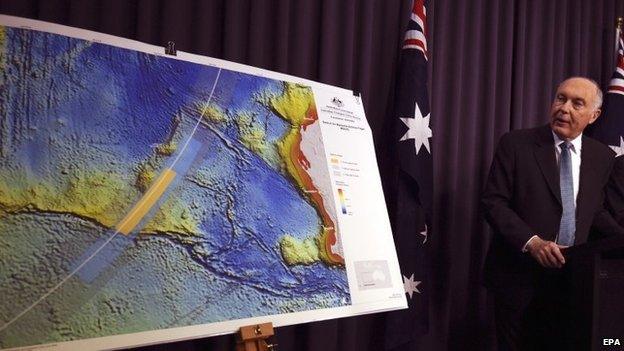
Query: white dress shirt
[
  {"x": 577, "y": 144},
  {"x": 575, "y": 153}
]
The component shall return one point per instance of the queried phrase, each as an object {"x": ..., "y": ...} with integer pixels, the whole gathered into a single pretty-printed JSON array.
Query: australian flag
[
  {"x": 412, "y": 215},
  {"x": 609, "y": 129}
]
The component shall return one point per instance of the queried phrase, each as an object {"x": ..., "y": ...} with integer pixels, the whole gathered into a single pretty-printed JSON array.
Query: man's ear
[{"x": 595, "y": 116}]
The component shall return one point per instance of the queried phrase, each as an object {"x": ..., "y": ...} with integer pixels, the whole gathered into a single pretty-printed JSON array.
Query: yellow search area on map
[{"x": 147, "y": 202}]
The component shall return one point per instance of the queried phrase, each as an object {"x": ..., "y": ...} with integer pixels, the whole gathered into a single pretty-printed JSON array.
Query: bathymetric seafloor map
[{"x": 139, "y": 192}]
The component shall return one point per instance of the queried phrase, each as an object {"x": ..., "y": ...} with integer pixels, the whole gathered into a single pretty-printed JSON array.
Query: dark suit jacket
[
  {"x": 615, "y": 191},
  {"x": 522, "y": 198}
]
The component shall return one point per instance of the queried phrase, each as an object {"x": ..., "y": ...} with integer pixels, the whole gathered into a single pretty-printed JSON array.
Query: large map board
[{"x": 148, "y": 198}]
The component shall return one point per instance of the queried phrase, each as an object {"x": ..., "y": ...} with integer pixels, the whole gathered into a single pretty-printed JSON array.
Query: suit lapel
[
  {"x": 585, "y": 176},
  {"x": 547, "y": 161}
]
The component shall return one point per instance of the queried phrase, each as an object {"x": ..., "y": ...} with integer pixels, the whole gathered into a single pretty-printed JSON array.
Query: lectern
[{"x": 597, "y": 292}]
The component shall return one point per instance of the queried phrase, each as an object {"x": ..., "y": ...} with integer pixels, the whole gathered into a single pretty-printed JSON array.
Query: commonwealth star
[
  {"x": 419, "y": 129},
  {"x": 410, "y": 285}
]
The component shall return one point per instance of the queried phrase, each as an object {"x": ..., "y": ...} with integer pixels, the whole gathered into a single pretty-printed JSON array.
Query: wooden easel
[{"x": 253, "y": 338}]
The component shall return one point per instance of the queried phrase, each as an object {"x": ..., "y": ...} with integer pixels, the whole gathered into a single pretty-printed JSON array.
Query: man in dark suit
[{"x": 544, "y": 192}]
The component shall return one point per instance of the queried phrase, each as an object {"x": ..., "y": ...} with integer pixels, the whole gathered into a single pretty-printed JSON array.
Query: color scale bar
[{"x": 343, "y": 204}]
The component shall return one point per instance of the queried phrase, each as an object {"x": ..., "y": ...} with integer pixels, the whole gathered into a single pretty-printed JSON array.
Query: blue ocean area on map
[{"x": 85, "y": 130}]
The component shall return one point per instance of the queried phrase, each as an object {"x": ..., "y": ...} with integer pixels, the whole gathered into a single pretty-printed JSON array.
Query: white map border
[{"x": 368, "y": 244}]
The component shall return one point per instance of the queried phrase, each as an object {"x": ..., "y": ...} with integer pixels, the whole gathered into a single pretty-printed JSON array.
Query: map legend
[{"x": 335, "y": 165}]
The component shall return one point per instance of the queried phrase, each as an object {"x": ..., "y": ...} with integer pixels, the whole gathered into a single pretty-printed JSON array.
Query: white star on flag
[
  {"x": 619, "y": 150},
  {"x": 410, "y": 285},
  {"x": 418, "y": 129},
  {"x": 424, "y": 233}
]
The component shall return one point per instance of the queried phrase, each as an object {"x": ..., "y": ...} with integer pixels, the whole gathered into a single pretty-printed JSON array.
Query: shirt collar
[{"x": 577, "y": 142}]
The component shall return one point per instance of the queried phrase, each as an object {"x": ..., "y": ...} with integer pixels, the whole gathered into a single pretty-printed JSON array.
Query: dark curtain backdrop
[{"x": 493, "y": 67}]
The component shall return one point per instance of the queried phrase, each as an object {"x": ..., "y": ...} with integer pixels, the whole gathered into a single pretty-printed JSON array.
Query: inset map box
[{"x": 372, "y": 275}]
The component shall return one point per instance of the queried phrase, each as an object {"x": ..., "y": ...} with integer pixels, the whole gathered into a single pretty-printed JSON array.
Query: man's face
[{"x": 574, "y": 108}]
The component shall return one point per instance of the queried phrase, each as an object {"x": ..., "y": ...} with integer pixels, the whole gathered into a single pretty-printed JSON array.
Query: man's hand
[{"x": 547, "y": 253}]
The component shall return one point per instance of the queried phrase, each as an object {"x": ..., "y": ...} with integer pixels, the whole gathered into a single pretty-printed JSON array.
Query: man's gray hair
[{"x": 598, "y": 102}]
